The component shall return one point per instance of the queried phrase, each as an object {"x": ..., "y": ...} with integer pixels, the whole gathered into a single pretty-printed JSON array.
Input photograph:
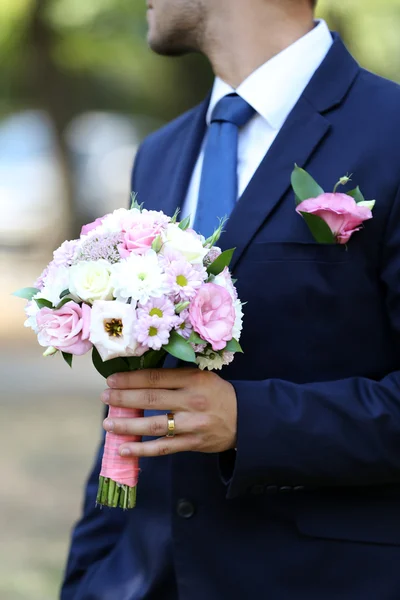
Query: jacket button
[
  {"x": 185, "y": 509},
  {"x": 258, "y": 489}
]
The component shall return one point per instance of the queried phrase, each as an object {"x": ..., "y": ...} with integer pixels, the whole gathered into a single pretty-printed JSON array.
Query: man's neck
[{"x": 239, "y": 44}]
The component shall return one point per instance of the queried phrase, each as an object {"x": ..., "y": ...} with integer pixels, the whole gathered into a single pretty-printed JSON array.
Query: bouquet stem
[{"x": 115, "y": 495}]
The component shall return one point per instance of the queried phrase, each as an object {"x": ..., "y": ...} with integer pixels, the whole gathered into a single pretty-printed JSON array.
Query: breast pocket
[{"x": 297, "y": 252}]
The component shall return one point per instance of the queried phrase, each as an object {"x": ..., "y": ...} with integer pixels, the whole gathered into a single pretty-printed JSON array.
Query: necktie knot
[{"x": 232, "y": 109}]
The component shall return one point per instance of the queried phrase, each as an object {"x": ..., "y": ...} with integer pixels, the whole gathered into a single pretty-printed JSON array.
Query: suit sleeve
[
  {"x": 336, "y": 433},
  {"x": 93, "y": 538},
  {"x": 98, "y": 531}
]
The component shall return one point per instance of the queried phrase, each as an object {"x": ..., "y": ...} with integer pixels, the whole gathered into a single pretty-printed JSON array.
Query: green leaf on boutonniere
[
  {"x": 233, "y": 346},
  {"x": 219, "y": 264},
  {"x": 356, "y": 194},
  {"x": 319, "y": 229},
  {"x": 26, "y": 293},
  {"x": 184, "y": 224},
  {"x": 180, "y": 348},
  {"x": 304, "y": 186},
  {"x": 68, "y": 358}
]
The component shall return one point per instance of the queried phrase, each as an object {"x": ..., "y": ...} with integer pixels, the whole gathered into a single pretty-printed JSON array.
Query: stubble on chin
[{"x": 181, "y": 35}]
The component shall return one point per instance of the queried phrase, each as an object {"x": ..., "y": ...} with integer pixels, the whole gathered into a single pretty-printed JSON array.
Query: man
[{"x": 283, "y": 479}]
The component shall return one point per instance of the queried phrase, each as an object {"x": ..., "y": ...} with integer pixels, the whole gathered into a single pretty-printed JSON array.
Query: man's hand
[{"x": 204, "y": 406}]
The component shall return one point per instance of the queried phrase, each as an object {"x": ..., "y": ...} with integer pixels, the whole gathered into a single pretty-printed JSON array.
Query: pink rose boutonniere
[{"x": 331, "y": 217}]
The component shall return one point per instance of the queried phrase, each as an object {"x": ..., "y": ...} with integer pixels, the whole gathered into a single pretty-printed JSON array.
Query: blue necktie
[{"x": 219, "y": 186}]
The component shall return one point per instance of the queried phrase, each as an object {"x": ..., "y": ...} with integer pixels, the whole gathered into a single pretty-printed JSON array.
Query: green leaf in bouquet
[
  {"x": 63, "y": 302},
  {"x": 356, "y": 194},
  {"x": 181, "y": 306},
  {"x": 219, "y": 264},
  {"x": 43, "y": 303},
  {"x": 304, "y": 186},
  {"x": 196, "y": 339},
  {"x": 180, "y": 348},
  {"x": 157, "y": 244},
  {"x": 64, "y": 294},
  {"x": 26, "y": 293},
  {"x": 68, "y": 358},
  {"x": 319, "y": 229},
  {"x": 233, "y": 346},
  {"x": 184, "y": 224},
  {"x": 134, "y": 203},
  {"x": 153, "y": 359},
  {"x": 175, "y": 216},
  {"x": 133, "y": 362},
  {"x": 213, "y": 239},
  {"x": 109, "y": 367}
]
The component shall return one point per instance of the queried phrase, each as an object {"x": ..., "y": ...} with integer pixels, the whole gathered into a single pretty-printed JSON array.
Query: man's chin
[{"x": 166, "y": 47}]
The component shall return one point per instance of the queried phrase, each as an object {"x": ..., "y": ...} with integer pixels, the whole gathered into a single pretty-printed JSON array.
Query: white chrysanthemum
[
  {"x": 31, "y": 310},
  {"x": 55, "y": 282},
  {"x": 112, "y": 329},
  {"x": 139, "y": 277},
  {"x": 185, "y": 242},
  {"x": 91, "y": 280},
  {"x": 238, "y": 326}
]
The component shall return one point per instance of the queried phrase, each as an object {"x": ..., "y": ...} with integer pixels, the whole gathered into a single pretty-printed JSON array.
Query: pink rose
[
  {"x": 212, "y": 315},
  {"x": 90, "y": 226},
  {"x": 340, "y": 212},
  {"x": 67, "y": 328},
  {"x": 138, "y": 239}
]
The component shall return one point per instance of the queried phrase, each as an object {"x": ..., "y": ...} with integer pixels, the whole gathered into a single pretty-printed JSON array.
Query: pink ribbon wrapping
[{"x": 121, "y": 469}]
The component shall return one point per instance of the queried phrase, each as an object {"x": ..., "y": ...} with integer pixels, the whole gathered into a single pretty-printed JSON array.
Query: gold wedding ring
[{"x": 171, "y": 425}]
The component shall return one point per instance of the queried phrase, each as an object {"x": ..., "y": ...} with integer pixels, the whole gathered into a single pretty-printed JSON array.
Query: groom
[{"x": 283, "y": 479}]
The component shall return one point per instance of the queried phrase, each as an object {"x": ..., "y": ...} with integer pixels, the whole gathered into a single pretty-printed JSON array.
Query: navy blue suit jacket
[{"x": 309, "y": 507}]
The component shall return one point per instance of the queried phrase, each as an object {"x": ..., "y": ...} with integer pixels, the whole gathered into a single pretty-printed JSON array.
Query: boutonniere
[{"x": 331, "y": 217}]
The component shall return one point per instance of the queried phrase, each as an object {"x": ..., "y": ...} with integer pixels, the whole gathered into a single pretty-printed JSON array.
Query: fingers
[
  {"x": 162, "y": 446},
  {"x": 151, "y": 426},
  {"x": 172, "y": 379},
  {"x": 145, "y": 399}
]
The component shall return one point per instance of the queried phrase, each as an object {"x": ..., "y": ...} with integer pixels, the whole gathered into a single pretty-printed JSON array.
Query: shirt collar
[{"x": 275, "y": 87}]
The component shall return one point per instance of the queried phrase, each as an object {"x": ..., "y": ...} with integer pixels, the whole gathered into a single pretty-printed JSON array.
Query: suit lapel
[
  {"x": 298, "y": 139},
  {"x": 181, "y": 160}
]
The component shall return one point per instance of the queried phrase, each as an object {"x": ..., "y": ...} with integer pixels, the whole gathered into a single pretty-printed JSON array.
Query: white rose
[
  {"x": 91, "y": 280},
  {"x": 112, "y": 329},
  {"x": 184, "y": 242}
]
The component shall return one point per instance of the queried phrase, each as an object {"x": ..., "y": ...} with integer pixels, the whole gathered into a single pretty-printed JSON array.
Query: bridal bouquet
[{"x": 137, "y": 285}]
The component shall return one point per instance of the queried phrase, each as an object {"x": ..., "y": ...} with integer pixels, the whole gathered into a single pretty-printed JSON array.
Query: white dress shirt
[{"x": 272, "y": 90}]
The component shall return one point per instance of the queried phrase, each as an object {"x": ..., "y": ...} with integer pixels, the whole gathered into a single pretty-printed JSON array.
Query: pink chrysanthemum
[
  {"x": 66, "y": 253},
  {"x": 184, "y": 326},
  {"x": 162, "y": 308},
  {"x": 183, "y": 280},
  {"x": 153, "y": 332},
  {"x": 40, "y": 281}
]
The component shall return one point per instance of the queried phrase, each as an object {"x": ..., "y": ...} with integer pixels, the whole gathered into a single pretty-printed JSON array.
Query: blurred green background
[{"x": 78, "y": 91}]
